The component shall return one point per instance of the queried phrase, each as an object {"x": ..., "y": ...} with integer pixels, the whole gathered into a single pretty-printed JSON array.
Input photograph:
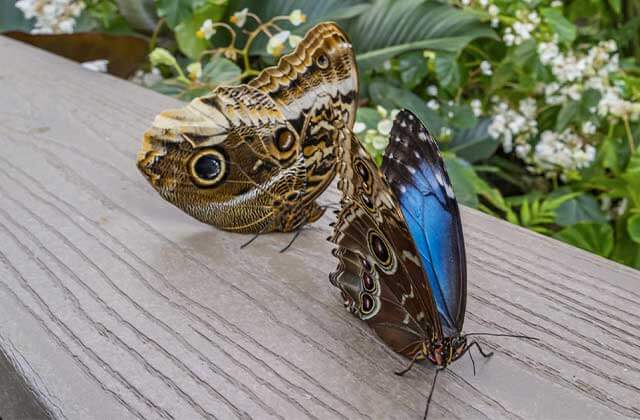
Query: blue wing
[{"x": 416, "y": 173}]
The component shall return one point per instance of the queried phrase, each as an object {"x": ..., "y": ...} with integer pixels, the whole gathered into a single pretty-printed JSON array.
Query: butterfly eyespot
[
  {"x": 380, "y": 250},
  {"x": 367, "y": 202},
  {"x": 368, "y": 282},
  {"x": 362, "y": 170},
  {"x": 208, "y": 167},
  {"x": 284, "y": 140},
  {"x": 366, "y": 265},
  {"x": 322, "y": 61},
  {"x": 367, "y": 303}
]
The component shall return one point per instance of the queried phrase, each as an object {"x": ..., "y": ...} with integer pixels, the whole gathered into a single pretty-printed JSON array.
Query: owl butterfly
[
  {"x": 401, "y": 254},
  {"x": 254, "y": 157}
]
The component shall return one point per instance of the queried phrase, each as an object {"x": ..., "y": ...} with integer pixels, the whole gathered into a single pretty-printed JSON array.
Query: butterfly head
[{"x": 445, "y": 351}]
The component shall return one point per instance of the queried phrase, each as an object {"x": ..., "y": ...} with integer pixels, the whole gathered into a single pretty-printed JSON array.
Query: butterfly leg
[
  {"x": 410, "y": 365},
  {"x": 295, "y": 236}
]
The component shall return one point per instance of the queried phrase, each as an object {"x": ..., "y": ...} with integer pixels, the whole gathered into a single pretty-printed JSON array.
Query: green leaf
[
  {"x": 626, "y": 250},
  {"x": 12, "y": 18},
  {"x": 463, "y": 117},
  {"x": 567, "y": 114},
  {"x": 186, "y": 37},
  {"x": 584, "y": 208},
  {"x": 388, "y": 28},
  {"x": 475, "y": 143},
  {"x": 384, "y": 94},
  {"x": 369, "y": 116},
  {"x": 616, "y": 5},
  {"x": 591, "y": 236},
  {"x": 565, "y": 30},
  {"x": 174, "y": 11},
  {"x": 413, "y": 69},
  {"x": 448, "y": 70},
  {"x": 221, "y": 71},
  {"x": 502, "y": 74},
  {"x": 139, "y": 14},
  {"x": 463, "y": 179},
  {"x": 633, "y": 228}
]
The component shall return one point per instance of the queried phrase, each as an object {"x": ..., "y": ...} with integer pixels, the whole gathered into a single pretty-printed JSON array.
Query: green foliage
[
  {"x": 525, "y": 141},
  {"x": 591, "y": 236}
]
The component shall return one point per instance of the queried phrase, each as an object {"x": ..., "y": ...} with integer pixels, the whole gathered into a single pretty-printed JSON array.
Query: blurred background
[{"x": 536, "y": 103}]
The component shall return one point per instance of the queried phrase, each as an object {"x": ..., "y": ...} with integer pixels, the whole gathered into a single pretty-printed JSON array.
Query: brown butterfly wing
[
  {"x": 277, "y": 153},
  {"x": 240, "y": 127},
  {"x": 317, "y": 82},
  {"x": 379, "y": 270}
]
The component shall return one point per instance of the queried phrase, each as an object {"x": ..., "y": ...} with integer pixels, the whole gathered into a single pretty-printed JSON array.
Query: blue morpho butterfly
[{"x": 401, "y": 254}]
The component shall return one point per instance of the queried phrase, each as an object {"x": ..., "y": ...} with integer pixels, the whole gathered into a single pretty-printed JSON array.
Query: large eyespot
[
  {"x": 380, "y": 249},
  {"x": 368, "y": 282},
  {"x": 367, "y": 303},
  {"x": 322, "y": 61},
  {"x": 208, "y": 167},
  {"x": 362, "y": 170},
  {"x": 284, "y": 139}
]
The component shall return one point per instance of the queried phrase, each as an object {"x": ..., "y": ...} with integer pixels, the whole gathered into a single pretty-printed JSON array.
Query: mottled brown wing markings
[
  {"x": 274, "y": 138},
  {"x": 369, "y": 209}
]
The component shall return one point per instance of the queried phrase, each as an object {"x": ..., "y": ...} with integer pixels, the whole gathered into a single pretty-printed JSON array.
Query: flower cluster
[
  {"x": 576, "y": 72},
  {"x": 565, "y": 152},
  {"x": 276, "y": 43},
  {"x": 377, "y": 139},
  {"x": 52, "y": 16},
  {"x": 513, "y": 127}
]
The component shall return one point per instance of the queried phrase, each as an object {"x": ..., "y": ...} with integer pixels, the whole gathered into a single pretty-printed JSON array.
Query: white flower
[
  {"x": 494, "y": 10},
  {"x": 485, "y": 68},
  {"x": 294, "y": 40},
  {"x": 96, "y": 65},
  {"x": 556, "y": 3},
  {"x": 432, "y": 90},
  {"x": 495, "y": 22},
  {"x": 51, "y": 16},
  {"x": 384, "y": 127},
  {"x": 588, "y": 128},
  {"x": 433, "y": 104},
  {"x": 484, "y": 3},
  {"x": 466, "y": 2},
  {"x": 147, "y": 79},
  {"x": 297, "y": 18},
  {"x": 206, "y": 31},
  {"x": 476, "y": 107},
  {"x": 240, "y": 18},
  {"x": 445, "y": 132},
  {"x": 194, "y": 70},
  {"x": 275, "y": 46},
  {"x": 562, "y": 152},
  {"x": 359, "y": 127},
  {"x": 548, "y": 51},
  {"x": 523, "y": 150},
  {"x": 66, "y": 26}
]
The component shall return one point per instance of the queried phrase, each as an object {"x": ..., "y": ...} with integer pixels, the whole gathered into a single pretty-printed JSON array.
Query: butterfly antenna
[
  {"x": 473, "y": 363},
  {"x": 524, "y": 337},
  {"x": 433, "y": 387}
]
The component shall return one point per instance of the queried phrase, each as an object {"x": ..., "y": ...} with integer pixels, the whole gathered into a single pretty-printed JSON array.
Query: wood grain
[{"x": 114, "y": 304}]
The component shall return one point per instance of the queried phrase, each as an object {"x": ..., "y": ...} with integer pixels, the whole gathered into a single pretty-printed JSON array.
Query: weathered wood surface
[{"x": 114, "y": 304}]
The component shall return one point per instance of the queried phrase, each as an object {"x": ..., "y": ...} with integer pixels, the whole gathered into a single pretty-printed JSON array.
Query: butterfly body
[
  {"x": 400, "y": 250},
  {"x": 253, "y": 158}
]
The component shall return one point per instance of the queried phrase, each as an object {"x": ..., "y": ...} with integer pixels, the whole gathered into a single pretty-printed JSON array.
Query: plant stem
[
  {"x": 154, "y": 37},
  {"x": 627, "y": 128}
]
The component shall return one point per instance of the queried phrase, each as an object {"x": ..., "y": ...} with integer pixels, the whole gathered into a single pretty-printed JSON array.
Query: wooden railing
[{"x": 114, "y": 304}]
